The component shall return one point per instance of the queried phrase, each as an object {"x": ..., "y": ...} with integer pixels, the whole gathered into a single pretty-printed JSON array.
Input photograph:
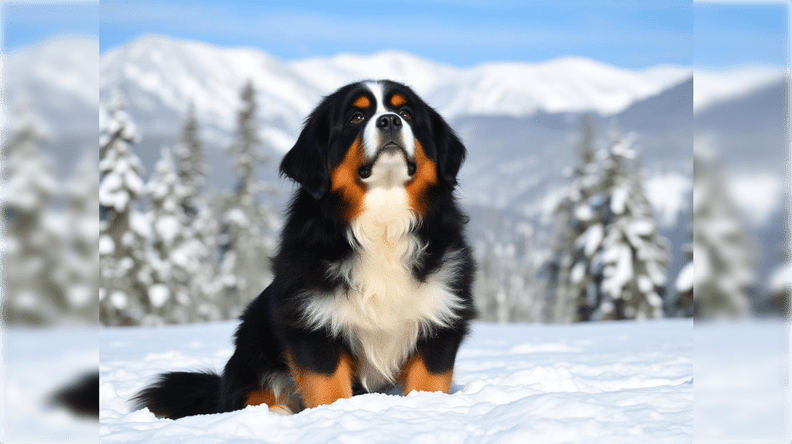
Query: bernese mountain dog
[{"x": 373, "y": 276}]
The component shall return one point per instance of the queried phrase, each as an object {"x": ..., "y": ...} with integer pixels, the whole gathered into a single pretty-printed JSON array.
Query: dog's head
[{"x": 374, "y": 134}]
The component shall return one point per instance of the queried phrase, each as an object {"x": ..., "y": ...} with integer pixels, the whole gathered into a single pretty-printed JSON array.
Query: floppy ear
[
  {"x": 450, "y": 150},
  {"x": 306, "y": 162}
]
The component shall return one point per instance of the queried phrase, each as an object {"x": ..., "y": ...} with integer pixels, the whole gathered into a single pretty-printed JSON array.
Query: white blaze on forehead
[
  {"x": 372, "y": 135},
  {"x": 379, "y": 98}
]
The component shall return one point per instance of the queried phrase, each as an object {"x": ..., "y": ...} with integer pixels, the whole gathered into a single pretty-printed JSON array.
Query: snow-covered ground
[
  {"x": 37, "y": 363},
  {"x": 621, "y": 382}
]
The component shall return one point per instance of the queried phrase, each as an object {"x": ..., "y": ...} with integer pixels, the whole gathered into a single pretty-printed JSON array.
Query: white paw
[{"x": 281, "y": 410}]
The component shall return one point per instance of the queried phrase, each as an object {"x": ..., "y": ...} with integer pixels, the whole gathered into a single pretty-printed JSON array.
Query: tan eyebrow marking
[
  {"x": 398, "y": 100},
  {"x": 362, "y": 102}
]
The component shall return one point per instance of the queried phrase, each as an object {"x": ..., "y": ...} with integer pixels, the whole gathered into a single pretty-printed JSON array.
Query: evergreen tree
[
  {"x": 201, "y": 244},
  {"x": 684, "y": 303},
  {"x": 629, "y": 255},
  {"x": 31, "y": 248},
  {"x": 779, "y": 293},
  {"x": 724, "y": 255},
  {"x": 169, "y": 296},
  {"x": 205, "y": 285},
  {"x": 125, "y": 274},
  {"x": 609, "y": 260},
  {"x": 780, "y": 282},
  {"x": 191, "y": 164},
  {"x": 572, "y": 218},
  {"x": 246, "y": 241},
  {"x": 507, "y": 279},
  {"x": 82, "y": 260}
]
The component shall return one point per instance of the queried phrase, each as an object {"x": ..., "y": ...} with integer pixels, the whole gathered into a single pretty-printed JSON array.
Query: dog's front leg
[
  {"x": 322, "y": 373},
  {"x": 416, "y": 376},
  {"x": 431, "y": 367}
]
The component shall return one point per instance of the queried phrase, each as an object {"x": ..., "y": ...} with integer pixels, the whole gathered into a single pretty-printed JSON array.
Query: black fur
[
  {"x": 81, "y": 397},
  {"x": 314, "y": 236}
]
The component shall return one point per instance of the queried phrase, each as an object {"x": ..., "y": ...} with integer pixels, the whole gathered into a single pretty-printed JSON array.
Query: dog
[{"x": 372, "y": 287}]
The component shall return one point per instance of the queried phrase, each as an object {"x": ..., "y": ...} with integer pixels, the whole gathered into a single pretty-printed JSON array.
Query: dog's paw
[{"x": 281, "y": 410}]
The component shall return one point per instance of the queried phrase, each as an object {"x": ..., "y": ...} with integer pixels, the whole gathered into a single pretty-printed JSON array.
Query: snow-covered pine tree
[
  {"x": 609, "y": 260},
  {"x": 572, "y": 218},
  {"x": 192, "y": 165},
  {"x": 205, "y": 284},
  {"x": 777, "y": 298},
  {"x": 724, "y": 255},
  {"x": 683, "y": 304},
  {"x": 247, "y": 225},
  {"x": 624, "y": 251},
  {"x": 32, "y": 249},
  {"x": 125, "y": 274},
  {"x": 780, "y": 290},
  {"x": 507, "y": 278},
  {"x": 169, "y": 295},
  {"x": 202, "y": 222},
  {"x": 82, "y": 256}
]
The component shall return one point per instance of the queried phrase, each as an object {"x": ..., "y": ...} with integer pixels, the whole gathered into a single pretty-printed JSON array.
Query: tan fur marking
[
  {"x": 345, "y": 180},
  {"x": 362, "y": 102},
  {"x": 398, "y": 100},
  {"x": 258, "y": 397},
  {"x": 425, "y": 175},
  {"x": 415, "y": 376},
  {"x": 282, "y": 404},
  {"x": 318, "y": 389}
]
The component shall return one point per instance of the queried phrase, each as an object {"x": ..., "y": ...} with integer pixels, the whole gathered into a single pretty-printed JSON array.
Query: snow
[
  {"x": 668, "y": 75},
  {"x": 641, "y": 227},
  {"x": 619, "y": 200},
  {"x": 106, "y": 245},
  {"x": 780, "y": 279},
  {"x": 119, "y": 300},
  {"x": 712, "y": 87},
  {"x": 759, "y": 197},
  {"x": 669, "y": 194},
  {"x": 685, "y": 278},
  {"x": 566, "y": 84},
  {"x": 592, "y": 239},
  {"x": 158, "y": 294},
  {"x": 618, "y": 271},
  {"x": 168, "y": 227},
  {"x": 602, "y": 382},
  {"x": 57, "y": 77},
  {"x": 742, "y": 381},
  {"x": 37, "y": 362},
  {"x": 172, "y": 72}
]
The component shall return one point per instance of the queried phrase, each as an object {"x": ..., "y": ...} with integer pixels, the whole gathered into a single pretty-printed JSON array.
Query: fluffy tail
[
  {"x": 178, "y": 394},
  {"x": 81, "y": 397}
]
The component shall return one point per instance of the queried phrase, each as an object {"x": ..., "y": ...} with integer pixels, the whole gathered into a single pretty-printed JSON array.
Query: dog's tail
[{"x": 178, "y": 394}]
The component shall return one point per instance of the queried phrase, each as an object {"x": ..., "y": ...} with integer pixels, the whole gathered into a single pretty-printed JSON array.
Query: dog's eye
[
  {"x": 406, "y": 114},
  {"x": 357, "y": 118}
]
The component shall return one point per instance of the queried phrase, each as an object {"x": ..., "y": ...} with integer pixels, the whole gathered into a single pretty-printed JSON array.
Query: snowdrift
[{"x": 622, "y": 382}]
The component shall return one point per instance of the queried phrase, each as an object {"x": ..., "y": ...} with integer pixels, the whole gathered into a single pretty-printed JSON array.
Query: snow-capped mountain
[
  {"x": 160, "y": 76},
  {"x": 57, "y": 81},
  {"x": 720, "y": 87},
  {"x": 514, "y": 117}
]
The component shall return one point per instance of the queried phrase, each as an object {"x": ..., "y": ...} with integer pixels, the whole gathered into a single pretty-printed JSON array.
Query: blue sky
[
  {"x": 624, "y": 33},
  {"x": 729, "y": 35}
]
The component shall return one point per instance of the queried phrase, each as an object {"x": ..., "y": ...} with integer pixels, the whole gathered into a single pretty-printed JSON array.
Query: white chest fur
[{"x": 385, "y": 310}]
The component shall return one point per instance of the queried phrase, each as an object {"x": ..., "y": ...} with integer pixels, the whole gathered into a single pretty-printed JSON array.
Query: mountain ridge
[{"x": 157, "y": 72}]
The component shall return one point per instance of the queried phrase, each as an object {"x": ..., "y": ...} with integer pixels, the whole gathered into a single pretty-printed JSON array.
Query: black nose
[{"x": 389, "y": 122}]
